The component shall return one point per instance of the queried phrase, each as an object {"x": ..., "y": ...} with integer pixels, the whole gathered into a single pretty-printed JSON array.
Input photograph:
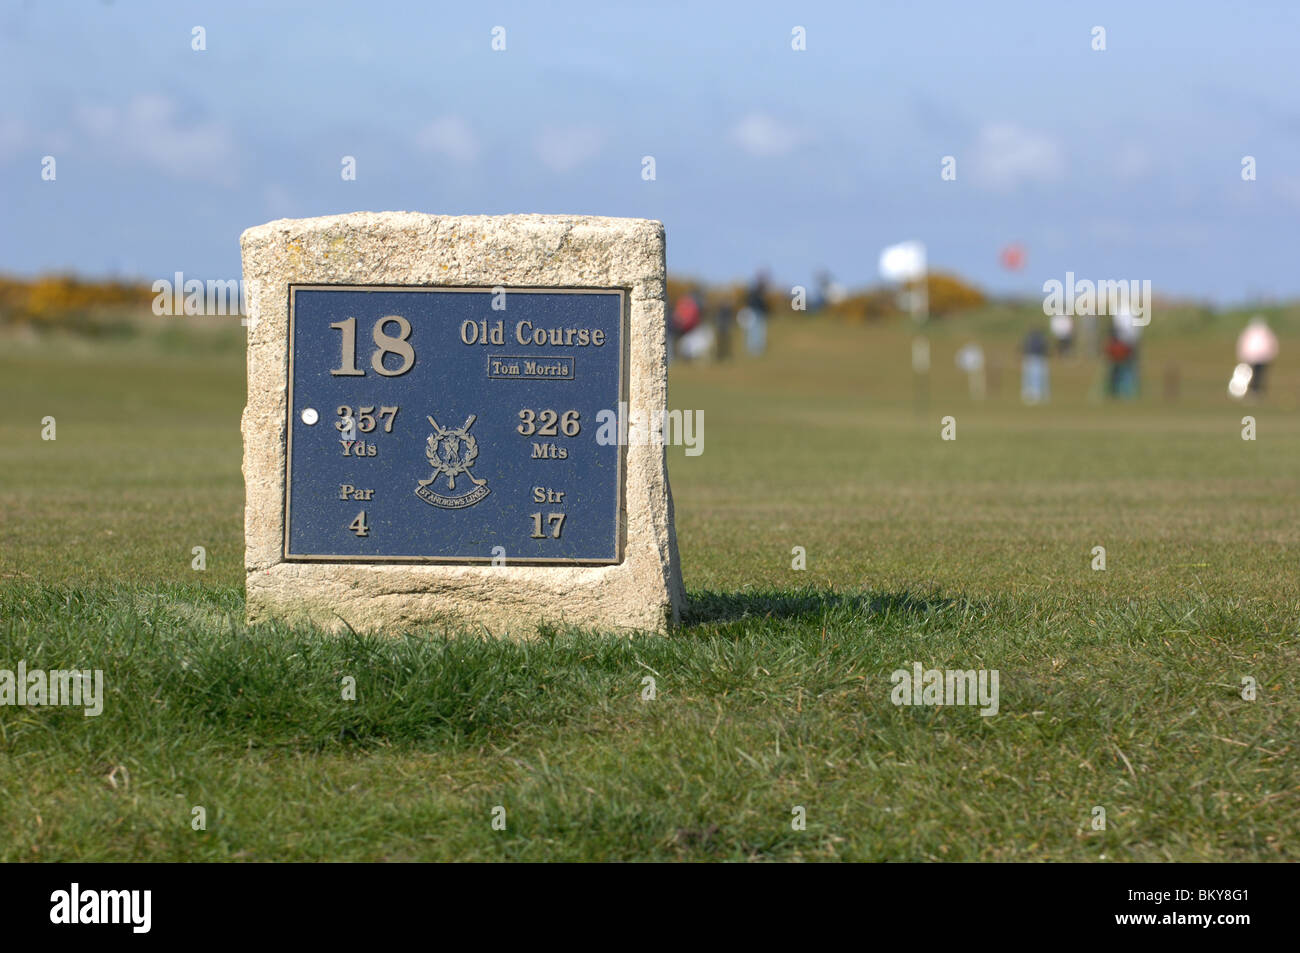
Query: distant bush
[
  {"x": 68, "y": 302},
  {"x": 65, "y": 301},
  {"x": 948, "y": 295}
]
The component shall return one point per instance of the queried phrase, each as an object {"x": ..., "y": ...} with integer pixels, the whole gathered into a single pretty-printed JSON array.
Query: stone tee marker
[{"x": 432, "y": 431}]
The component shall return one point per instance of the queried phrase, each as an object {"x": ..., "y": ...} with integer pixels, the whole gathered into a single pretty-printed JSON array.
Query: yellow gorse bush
[
  {"x": 948, "y": 294},
  {"x": 63, "y": 299}
]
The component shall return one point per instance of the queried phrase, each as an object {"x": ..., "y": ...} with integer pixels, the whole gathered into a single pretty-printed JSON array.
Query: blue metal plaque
[{"x": 454, "y": 425}]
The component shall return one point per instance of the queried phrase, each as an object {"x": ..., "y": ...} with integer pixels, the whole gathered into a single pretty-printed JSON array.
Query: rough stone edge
[{"x": 644, "y": 592}]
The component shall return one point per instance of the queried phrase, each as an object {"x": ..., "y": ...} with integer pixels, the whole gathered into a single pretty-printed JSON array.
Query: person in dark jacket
[{"x": 1033, "y": 368}]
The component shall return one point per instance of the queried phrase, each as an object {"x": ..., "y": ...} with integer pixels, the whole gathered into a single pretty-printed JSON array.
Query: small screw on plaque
[{"x": 309, "y": 416}]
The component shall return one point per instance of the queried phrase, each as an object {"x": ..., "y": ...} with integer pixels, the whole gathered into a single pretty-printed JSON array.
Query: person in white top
[
  {"x": 1122, "y": 352},
  {"x": 1257, "y": 346},
  {"x": 1062, "y": 326}
]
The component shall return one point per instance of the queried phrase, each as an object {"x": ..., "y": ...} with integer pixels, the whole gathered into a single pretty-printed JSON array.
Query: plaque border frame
[{"x": 620, "y": 506}]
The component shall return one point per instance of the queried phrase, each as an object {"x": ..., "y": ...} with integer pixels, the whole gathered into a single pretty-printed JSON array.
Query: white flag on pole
[{"x": 903, "y": 262}]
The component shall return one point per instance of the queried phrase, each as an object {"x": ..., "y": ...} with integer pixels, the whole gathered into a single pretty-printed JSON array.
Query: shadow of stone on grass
[{"x": 708, "y": 606}]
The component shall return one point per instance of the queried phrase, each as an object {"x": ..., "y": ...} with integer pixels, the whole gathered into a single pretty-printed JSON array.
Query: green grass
[{"x": 1119, "y": 689}]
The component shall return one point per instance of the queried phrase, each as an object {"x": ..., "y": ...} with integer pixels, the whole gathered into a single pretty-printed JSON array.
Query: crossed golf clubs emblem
[{"x": 452, "y": 452}]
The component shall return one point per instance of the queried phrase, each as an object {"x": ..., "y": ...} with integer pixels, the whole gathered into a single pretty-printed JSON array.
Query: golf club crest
[{"x": 451, "y": 453}]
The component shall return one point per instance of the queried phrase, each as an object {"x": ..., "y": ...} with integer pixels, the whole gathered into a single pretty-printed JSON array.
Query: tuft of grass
[{"x": 765, "y": 701}]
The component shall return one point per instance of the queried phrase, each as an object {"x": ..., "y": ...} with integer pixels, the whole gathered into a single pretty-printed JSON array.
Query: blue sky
[{"x": 1123, "y": 163}]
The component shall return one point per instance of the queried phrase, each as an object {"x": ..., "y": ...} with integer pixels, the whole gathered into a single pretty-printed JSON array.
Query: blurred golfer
[
  {"x": 1033, "y": 368},
  {"x": 1257, "y": 347},
  {"x": 685, "y": 319},
  {"x": 970, "y": 359},
  {"x": 1122, "y": 353},
  {"x": 1063, "y": 331},
  {"x": 723, "y": 320},
  {"x": 753, "y": 317}
]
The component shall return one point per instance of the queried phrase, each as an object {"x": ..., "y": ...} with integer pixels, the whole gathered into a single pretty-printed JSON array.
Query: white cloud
[
  {"x": 761, "y": 135},
  {"x": 1007, "y": 155},
  {"x": 562, "y": 150},
  {"x": 152, "y": 131},
  {"x": 449, "y": 136}
]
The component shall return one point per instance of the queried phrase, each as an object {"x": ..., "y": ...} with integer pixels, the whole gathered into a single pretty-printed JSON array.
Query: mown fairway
[{"x": 1119, "y": 689}]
